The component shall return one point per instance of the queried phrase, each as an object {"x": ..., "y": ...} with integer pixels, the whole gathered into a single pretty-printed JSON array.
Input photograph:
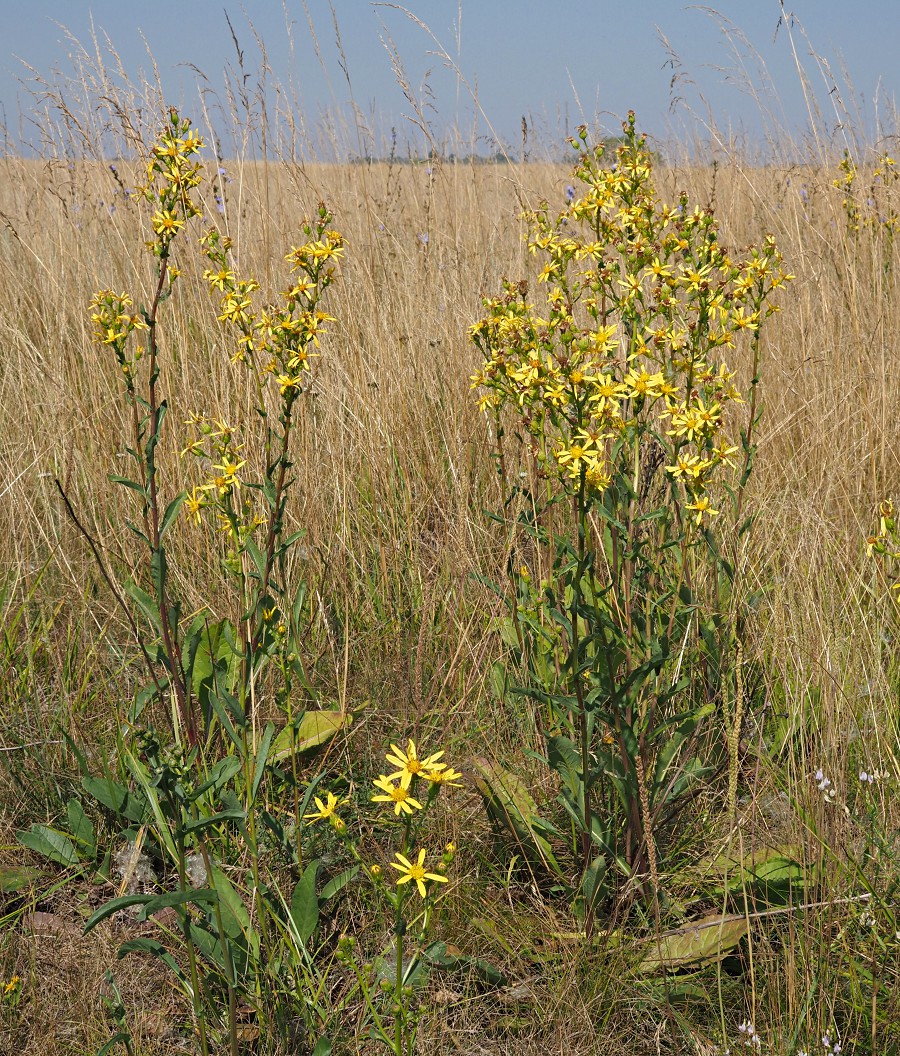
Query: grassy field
[{"x": 394, "y": 480}]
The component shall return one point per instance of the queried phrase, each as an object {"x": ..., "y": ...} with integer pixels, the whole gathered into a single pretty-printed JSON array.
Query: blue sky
[{"x": 554, "y": 63}]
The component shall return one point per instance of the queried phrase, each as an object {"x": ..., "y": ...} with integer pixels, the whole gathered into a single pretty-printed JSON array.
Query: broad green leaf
[
  {"x": 315, "y": 728},
  {"x": 510, "y": 805},
  {"x": 156, "y": 949},
  {"x": 564, "y": 758},
  {"x": 117, "y": 1039},
  {"x": 154, "y": 903},
  {"x": 80, "y": 828},
  {"x": 51, "y": 844},
  {"x": 144, "y": 602},
  {"x": 235, "y": 918},
  {"x": 200, "y": 824},
  {"x": 15, "y": 878},
  {"x": 128, "y": 483},
  {"x": 220, "y": 774},
  {"x": 770, "y": 875},
  {"x": 703, "y": 941},
  {"x": 592, "y": 885},
  {"x": 305, "y": 903}
]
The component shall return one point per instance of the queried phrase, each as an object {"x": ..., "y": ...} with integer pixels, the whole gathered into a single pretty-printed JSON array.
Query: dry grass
[{"x": 394, "y": 474}]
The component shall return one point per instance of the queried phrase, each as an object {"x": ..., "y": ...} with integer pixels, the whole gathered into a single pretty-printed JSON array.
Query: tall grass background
[{"x": 393, "y": 478}]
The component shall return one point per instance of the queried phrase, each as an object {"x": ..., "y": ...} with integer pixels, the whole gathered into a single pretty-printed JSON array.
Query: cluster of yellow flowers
[
  {"x": 398, "y": 790},
  {"x": 217, "y": 447},
  {"x": 278, "y": 340},
  {"x": 171, "y": 177},
  {"x": 885, "y": 544},
  {"x": 874, "y": 208},
  {"x": 114, "y": 323},
  {"x": 642, "y": 299}
]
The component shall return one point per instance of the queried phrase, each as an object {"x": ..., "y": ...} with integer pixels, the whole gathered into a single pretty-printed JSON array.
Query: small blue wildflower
[
  {"x": 570, "y": 193},
  {"x": 804, "y": 194},
  {"x": 423, "y": 238},
  {"x": 428, "y": 170}
]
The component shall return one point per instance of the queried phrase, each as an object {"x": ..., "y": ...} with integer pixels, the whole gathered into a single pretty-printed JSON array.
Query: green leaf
[
  {"x": 305, "y": 903},
  {"x": 113, "y": 906},
  {"x": 315, "y": 728},
  {"x": 235, "y": 918},
  {"x": 262, "y": 756},
  {"x": 133, "y": 484},
  {"x": 256, "y": 555},
  {"x": 159, "y": 570},
  {"x": 144, "y": 602},
  {"x": 154, "y": 903},
  {"x": 116, "y": 797},
  {"x": 171, "y": 513},
  {"x": 200, "y": 824},
  {"x": 510, "y": 805},
  {"x": 81, "y": 829},
  {"x": 700, "y": 942},
  {"x": 337, "y": 883},
  {"x": 15, "y": 878},
  {"x": 51, "y": 844},
  {"x": 221, "y": 773},
  {"x": 117, "y": 1039},
  {"x": 592, "y": 885},
  {"x": 323, "y": 1047},
  {"x": 564, "y": 758},
  {"x": 159, "y": 951}
]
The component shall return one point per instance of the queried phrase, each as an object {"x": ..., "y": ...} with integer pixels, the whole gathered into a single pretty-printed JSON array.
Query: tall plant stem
[{"x": 169, "y": 633}]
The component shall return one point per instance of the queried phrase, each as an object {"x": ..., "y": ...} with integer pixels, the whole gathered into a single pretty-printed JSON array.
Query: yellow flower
[
  {"x": 229, "y": 472},
  {"x": 194, "y": 504},
  {"x": 606, "y": 394},
  {"x": 642, "y": 383},
  {"x": 702, "y": 505},
  {"x": 686, "y": 465},
  {"x": 327, "y": 811},
  {"x": 165, "y": 222},
  {"x": 286, "y": 382},
  {"x": 410, "y": 764},
  {"x": 575, "y": 454},
  {"x": 219, "y": 279},
  {"x": 445, "y": 776},
  {"x": 396, "y": 794},
  {"x": 416, "y": 871}
]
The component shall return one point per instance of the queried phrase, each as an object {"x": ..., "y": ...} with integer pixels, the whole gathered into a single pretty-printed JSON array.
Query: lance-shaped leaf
[
  {"x": 510, "y": 805},
  {"x": 700, "y": 942}
]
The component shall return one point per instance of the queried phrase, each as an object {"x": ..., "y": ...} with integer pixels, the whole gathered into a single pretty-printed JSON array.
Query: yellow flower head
[
  {"x": 396, "y": 794},
  {"x": 327, "y": 811},
  {"x": 444, "y": 776},
  {"x": 410, "y": 764},
  {"x": 416, "y": 871}
]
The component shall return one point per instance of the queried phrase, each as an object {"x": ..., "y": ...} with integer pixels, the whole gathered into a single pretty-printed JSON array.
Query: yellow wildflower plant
[{"x": 615, "y": 419}]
